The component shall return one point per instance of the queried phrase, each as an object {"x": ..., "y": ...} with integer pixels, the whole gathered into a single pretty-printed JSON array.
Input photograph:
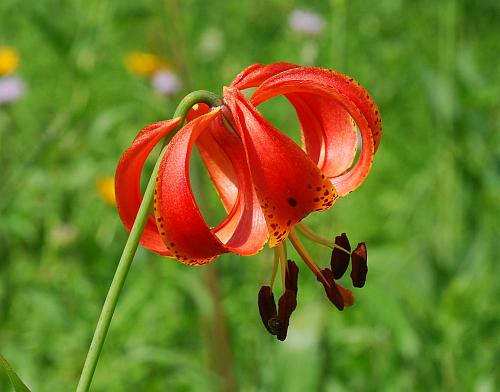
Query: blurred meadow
[{"x": 428, "y": 318}]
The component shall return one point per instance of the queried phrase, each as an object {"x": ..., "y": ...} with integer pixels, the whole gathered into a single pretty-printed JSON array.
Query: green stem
[{"x": 131, "y": 246}]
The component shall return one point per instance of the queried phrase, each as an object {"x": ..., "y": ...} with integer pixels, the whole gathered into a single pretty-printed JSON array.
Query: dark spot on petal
[{"x": 292, "y": 201}]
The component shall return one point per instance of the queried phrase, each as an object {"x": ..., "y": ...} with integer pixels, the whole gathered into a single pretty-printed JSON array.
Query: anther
[
  {"x": 359, "y": 265},
  {"x": 340, "y": 258},
  {"x": 286, "y": 305},
  {"x": 267, "y": 308},
  {"x": 331, "y": 289}
]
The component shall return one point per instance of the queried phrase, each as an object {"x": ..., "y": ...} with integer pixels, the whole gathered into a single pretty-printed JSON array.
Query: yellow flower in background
[
  {"x": 144, "y": 64},
  {"x": 9, "y": 60},
  {"x": 106, "y": 188}
]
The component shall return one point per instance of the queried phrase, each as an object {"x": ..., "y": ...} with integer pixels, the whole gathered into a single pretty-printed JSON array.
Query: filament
[
  {"x": 305, "y": 256},
  {"x": 309, "y": 233},
  {"x": 275, "y": 267},
  {"x": 283, "y": 257}
]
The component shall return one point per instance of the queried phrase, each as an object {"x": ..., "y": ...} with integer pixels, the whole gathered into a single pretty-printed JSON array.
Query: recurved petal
[
  {"x": 244, "y": 231},
  {"x": 197, "y": 110},
  {"x": 255, "y": 74},
  {"x": 329, "y": 134},
  {"x": 182, "y": 226},
  {"x": 213, "y": 147},
  {"x": 288, "y": 184},
  {"x": 348, "y": 96},
  {"x": 127, "y": 182}
]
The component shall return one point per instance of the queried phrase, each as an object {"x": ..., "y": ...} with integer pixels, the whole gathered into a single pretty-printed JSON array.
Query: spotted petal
[
  {"x": 128, "y": 178},
  {"x": 182, "y": 226},
  {"x": 255, "y": 74},
  {"x": 288, "y": 184},
  {"x": 315, "y": 93}
]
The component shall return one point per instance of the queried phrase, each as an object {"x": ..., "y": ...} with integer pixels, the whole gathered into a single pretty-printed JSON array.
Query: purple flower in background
[
  {"x": 166, "y": 82},
  {"x": 306, "y": 22},
  {"x": 11, "y": 89}
]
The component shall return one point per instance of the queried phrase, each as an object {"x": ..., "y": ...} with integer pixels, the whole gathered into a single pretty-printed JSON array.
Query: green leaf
[{"x": 18, "y": 385}]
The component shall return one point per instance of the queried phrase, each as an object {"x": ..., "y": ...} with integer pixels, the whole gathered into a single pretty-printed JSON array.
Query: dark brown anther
[
  {"x": 359, "y": 265},
  {"x": 332, "y": 291},
  {"x": 276, "y": 322},
  {"x": 288, "y": 301},
  {"x": 267, "y": 309},
  {"x": 340, "y": 259},
  {"x": 286, "y": 305}
]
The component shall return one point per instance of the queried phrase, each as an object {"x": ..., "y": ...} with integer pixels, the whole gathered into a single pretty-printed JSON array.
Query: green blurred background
[{"x": 429, "y": 316}]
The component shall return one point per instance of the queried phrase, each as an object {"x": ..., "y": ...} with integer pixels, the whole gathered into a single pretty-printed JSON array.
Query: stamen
[
  {"x": 288, "y": 301},
  {"x": 340, "y": 260},
  {"x": 275, "y": 320},
  {"x": 275, "y": 267},
  {"x": 267, "y": 309},
  {"x": 332, "y": 290},
  {"x": 306, "y": 257},
  {"x": 311, "y": 234},
  {"x": 286, "y": 305},
  {"x": 359, "y": 265},
  {"x": 283, "y": 257}
]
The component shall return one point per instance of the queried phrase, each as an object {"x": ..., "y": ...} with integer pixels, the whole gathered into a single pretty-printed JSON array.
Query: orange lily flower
[{"x": 266, "y": 182}]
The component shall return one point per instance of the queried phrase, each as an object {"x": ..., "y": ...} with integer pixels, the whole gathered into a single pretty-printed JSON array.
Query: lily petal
[
  {"x": 244, "y": 230},
  {"x": 288, "y": 184},
  {"x": 329, "y": 135},
  {"x": 331, "y": 88},
  {"x": 255, "y": 74},
  {"x": 128, "y": 177},
  {"x": 213, "y": 151},
  {"x": 182, "y": 226}
]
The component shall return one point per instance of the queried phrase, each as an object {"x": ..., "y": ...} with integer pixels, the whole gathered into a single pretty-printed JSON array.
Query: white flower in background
[
  {"x": 211, "y": 43},
  {"x": 11, "y": 89},
  {"x": 306, "y": 22},
  {"x": 166, "y": 82}
]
